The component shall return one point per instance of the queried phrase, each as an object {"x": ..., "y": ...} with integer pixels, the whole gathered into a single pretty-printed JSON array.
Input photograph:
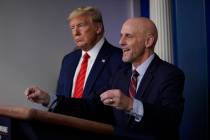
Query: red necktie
[
  {"x": 133, "y": 83},
  {"x": 79, "y": 85}
]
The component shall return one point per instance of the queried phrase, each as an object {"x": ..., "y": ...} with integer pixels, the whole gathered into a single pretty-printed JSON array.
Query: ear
[
  {"x": 149, "y": 41},
  {"x": 98, "y": 28}
]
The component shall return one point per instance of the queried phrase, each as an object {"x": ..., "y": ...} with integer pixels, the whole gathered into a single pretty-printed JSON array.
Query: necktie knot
[
  {"x": 135, "y": 74},
  {"x": 86, "y": 56}
]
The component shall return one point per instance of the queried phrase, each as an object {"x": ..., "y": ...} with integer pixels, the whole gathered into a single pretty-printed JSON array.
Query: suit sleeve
[{"x": 59, "y": 89}]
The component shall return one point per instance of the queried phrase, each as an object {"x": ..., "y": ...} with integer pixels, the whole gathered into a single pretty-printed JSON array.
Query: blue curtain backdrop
[
  {"x": 144, "y": 10},
  {"x": 191, "y": 53},
  {"x": 207, "y": 6}
]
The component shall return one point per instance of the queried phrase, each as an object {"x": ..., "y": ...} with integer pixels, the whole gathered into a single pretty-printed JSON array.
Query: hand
[
  {"x": 34, "y": 94},
  {"x": 117, "y": 99}
]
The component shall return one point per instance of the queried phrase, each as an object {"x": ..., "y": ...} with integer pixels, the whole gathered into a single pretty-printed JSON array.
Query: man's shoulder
[
  {"x": 73, "y": 53},
  {"x": 115, "y": 51},
  {"x": 171, "y": 67},
  {"x": 168, "y": 68},
  {"x": 72, "y": 56},
  {"x": 110, "y": 46},
  {"x": 110, "y": 51}
]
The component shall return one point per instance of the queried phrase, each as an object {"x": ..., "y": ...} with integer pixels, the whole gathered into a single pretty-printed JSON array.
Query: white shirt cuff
[{"x": 138, "y": 110}]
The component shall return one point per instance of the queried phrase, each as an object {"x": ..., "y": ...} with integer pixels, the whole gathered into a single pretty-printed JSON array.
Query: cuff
[{"x": 137, "y": 110}]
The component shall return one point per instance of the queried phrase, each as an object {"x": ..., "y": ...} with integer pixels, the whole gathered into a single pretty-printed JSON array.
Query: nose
[{"x": 121, "y": 41}]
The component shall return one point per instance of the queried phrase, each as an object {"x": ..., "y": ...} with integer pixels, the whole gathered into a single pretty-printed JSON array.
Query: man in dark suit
[
  {"x": 146, "y": 97},
  {"x": 85, "y": 70}
]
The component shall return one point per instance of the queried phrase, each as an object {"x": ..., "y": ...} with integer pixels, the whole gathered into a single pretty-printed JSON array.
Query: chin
[
  {"x": 125, "y": 60},
  {"x": 79, "y": 46}
]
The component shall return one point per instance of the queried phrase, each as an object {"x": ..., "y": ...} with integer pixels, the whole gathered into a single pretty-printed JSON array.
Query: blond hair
[{"x": 94, "y": 14}]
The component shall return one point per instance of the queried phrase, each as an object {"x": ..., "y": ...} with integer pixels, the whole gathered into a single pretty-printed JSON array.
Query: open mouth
[
  {"x": 77, "y": 40},
  {"x": 125, "y": 50}
]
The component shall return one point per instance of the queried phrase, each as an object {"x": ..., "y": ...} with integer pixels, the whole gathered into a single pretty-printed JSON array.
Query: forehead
[
  {"x": 80, "y": 19},
  {"x": 129, "y": 28}
]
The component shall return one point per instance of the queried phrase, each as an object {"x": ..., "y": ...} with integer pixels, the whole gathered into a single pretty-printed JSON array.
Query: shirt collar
[
  {"x": 95, "y": 49},
  {"x": 141, "y": 69}
]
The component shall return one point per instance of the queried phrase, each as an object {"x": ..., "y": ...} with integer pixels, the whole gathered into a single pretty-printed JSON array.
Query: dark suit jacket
[
  {"x": 160, "y": 91},
  {"x": 108, "y": 61}
]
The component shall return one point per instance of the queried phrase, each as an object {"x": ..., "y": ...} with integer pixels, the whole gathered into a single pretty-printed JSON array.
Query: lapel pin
[{"x": 103, "y": 60}]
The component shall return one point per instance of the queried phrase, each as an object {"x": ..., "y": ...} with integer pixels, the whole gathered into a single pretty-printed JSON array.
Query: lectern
[{"x": 32, "y": 124}]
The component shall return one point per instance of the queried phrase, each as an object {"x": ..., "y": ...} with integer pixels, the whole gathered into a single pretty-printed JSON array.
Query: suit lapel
[
  {"x": 144, "y": 84},
  {"x": 97, "y": 67},
  {"x": 148, "y": 76},
  {"x": 71, "y": 71}
]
